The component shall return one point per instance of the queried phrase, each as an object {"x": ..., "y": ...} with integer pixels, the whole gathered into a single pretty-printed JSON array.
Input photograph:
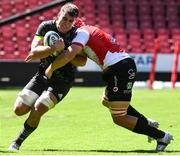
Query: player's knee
[
  {"x": 38, "y": 110},
  {"x": 118, "y": 108},
  {"x": 45, "y": 102},
  {"x": 21, "y": 109}
]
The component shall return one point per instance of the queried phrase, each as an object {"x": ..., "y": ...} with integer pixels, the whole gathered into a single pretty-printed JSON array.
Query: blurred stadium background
[{"x": 136, "y": 24}]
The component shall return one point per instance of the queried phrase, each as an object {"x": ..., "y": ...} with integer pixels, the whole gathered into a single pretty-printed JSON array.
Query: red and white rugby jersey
[{"x": 99, "y": 46}]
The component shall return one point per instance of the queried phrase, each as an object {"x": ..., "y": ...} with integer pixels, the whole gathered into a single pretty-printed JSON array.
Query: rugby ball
[{"x": 50, "y": 38}]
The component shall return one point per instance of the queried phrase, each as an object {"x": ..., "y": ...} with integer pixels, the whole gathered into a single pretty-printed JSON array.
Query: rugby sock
[
  {"x": 25, "y": 132},
  {"x": 142, "y": 127},
  {"x": 133, "y": 112}
]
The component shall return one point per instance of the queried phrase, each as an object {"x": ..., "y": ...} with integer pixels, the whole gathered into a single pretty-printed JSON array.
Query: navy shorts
[
  {"x": 120, "y": 78},
  {"x": 40, "y": 83}
]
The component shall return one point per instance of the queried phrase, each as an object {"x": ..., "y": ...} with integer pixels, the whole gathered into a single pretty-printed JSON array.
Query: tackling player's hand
[{"x": 49, "y": 72}]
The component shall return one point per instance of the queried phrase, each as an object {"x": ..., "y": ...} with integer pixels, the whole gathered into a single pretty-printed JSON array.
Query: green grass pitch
[{"x": 80, "y": 125}]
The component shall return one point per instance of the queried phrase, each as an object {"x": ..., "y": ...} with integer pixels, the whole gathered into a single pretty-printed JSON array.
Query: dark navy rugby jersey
[{"x": 66, "y": 72}]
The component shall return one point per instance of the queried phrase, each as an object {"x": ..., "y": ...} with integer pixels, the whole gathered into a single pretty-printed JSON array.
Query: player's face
[{"x": 65, "y": 22}]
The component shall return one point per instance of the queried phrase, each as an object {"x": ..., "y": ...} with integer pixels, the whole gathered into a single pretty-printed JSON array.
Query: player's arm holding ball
[{"x": 42, "y": 47}]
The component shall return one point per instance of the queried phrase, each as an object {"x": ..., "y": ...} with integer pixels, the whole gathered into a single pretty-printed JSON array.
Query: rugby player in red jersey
[{"x": 119, "y": 73}]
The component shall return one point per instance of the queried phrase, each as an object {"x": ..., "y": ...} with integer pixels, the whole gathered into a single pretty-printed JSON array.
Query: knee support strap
[
  {"x": 46, "y": 100},
  {"x": 27, "y": 97},
  {"x": 118, "y": 108},
  {"x": 105, "y": 101}
]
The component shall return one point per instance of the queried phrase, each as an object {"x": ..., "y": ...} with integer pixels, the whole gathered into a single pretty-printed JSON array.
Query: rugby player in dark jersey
[{"x": 42, "y": 94}]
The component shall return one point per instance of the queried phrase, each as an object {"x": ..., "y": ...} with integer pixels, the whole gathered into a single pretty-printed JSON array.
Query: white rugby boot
[
  {"x": 154, "y": 124},
  {"x": 163, "y": 142},
  {"x": 13, "y": 147}
]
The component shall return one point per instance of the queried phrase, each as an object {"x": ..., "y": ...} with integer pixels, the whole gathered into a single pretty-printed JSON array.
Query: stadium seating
[{"x": 135, "y": 23}]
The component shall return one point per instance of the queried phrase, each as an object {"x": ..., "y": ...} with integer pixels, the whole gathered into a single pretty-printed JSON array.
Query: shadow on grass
[
  {"x": 5, "y": 151},
  {"x": 100, "y": 151},
  {"x": 113, "y": 151}
]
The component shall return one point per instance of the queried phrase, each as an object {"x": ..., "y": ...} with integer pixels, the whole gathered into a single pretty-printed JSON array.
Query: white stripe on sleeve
[{"x": 82, "y": 37}]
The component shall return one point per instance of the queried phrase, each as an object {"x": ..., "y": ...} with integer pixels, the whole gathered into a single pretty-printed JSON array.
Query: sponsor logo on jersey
[{"x": 131, "y": 73}]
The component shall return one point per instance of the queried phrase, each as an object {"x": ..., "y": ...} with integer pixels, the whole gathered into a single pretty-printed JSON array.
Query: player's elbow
[
  {"x": 77, "y": 63},
  {"x": 81, "y": 64},
  {"x": 79, "y": 60},
  {"x": 83, "y": 61}
]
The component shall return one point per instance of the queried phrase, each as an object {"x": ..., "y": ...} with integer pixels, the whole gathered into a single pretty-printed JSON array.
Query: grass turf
[{"x": 80, "y": 125}]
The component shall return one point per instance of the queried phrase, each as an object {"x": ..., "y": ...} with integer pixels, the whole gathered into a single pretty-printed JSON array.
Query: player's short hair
[{"x": 71, "y": 9}]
